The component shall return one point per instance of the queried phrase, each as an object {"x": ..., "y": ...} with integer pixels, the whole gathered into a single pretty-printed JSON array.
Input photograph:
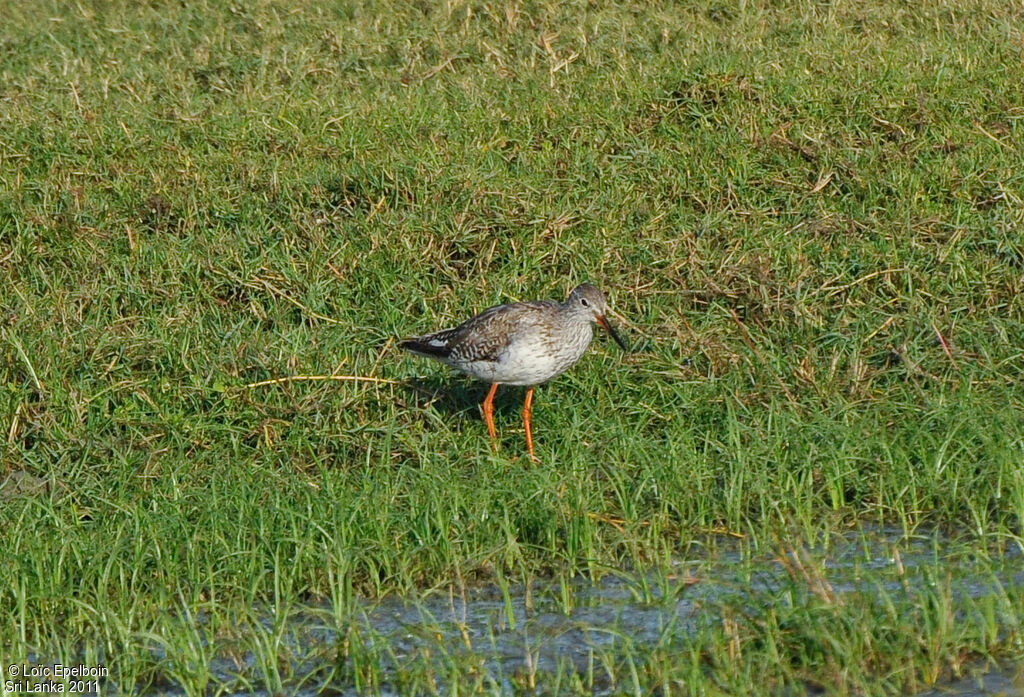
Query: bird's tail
[{"x": 424, "y": 346}]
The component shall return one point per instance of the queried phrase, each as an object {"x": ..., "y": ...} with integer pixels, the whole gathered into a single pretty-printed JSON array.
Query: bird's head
[{"x": 588, "y": 302}]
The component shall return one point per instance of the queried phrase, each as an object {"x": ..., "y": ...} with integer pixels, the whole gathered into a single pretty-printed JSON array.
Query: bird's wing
[{"x": 480, "y": 338}]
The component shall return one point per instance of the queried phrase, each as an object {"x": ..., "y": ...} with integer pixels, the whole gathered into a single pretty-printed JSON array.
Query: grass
[{"x": 807, "y": 215}]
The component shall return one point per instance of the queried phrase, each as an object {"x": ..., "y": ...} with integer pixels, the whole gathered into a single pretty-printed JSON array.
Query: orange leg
[
  {"x": 489, "y": 416},
  {"x": 527, "y": 403}
]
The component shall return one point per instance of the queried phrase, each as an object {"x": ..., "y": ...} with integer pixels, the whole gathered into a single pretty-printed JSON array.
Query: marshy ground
[{"x": 807, "y": 217}]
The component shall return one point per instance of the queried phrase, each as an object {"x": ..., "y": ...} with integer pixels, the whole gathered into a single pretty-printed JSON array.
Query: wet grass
[{"x": 807, "y": 215}]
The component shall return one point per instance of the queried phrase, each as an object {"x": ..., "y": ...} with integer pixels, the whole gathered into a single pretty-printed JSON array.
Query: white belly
[{"x": 529, "y": 360}]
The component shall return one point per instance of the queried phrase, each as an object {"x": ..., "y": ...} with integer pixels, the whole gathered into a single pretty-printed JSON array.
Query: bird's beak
[{"x": 604, "y": 323}]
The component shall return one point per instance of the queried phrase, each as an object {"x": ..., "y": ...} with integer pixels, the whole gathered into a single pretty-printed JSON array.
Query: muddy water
[
  {"x": 992, "y": 681},
  {"x": 519, "y": 631},
  {"x": 542, "y": 629}
]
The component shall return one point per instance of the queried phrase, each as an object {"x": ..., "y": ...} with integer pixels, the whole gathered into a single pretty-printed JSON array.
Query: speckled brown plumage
[
  {"x": 481, "y": 338},
  {"x": 524, "y": 343}
]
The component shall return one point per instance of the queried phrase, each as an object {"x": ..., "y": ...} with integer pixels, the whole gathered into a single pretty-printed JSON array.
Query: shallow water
[
  {"x": 991, "y": 681},
  {"x": 546, "y": 628},
  {"x": 520, "y": 631}
]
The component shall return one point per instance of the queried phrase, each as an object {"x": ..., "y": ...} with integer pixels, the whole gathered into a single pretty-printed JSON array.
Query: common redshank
[{"x": 524, "y": 343}]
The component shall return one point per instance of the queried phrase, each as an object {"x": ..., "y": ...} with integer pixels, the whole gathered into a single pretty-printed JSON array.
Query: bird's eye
[{"x": 584, "y": 303}]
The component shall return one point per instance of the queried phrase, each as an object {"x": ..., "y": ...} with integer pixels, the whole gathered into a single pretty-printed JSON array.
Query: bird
[{"x": 521, "y": 343}]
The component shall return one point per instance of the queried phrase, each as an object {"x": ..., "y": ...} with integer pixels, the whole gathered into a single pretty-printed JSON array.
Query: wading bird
[{"x": 524, "y": 343}]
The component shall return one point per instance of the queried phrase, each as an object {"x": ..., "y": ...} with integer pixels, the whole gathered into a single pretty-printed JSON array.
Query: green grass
[{"x": 808, "y": 216}]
